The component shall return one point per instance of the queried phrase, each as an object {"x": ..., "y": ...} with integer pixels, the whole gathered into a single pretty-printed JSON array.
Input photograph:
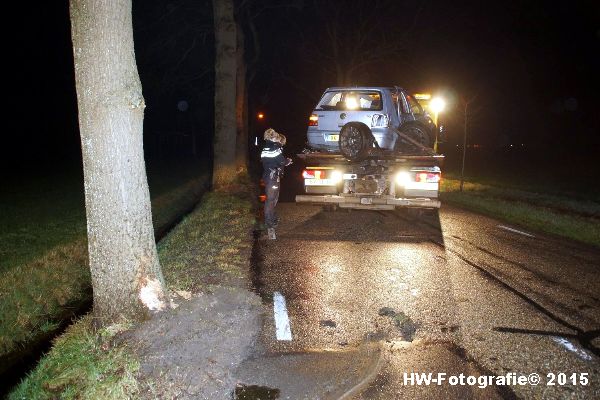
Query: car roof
[{"x": 364, "y": 88}]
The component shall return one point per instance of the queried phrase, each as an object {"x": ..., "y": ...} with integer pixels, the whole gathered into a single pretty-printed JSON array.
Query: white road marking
[
  {"x": 572, "y": 348},
  {"x": 515, "y": 231},
  {"x": 283, "y": 330}
]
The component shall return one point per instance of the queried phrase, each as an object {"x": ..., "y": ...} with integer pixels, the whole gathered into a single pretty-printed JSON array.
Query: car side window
[
  {"x": 395, "y": 102},
  {"x": 414, "y": 106},
  {"x": 403, "y": 105},
  {"x": 330, "y": 100}
]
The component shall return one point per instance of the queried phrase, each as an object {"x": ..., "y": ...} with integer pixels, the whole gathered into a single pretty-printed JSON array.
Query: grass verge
[
  {"x": 83, "y": 365},
  {"x": 212, "y": 245},
  {"x": 567, "y": 216},
  {"x": 38, "y": 293}
]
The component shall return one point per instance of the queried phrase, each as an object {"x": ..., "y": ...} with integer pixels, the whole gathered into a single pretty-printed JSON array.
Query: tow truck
[
  {"x": 358, "y": 162},
  {"x": 383, "y": 182}
]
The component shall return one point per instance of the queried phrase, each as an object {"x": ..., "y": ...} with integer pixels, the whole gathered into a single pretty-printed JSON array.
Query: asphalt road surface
[{"x": 451, "y": 293}]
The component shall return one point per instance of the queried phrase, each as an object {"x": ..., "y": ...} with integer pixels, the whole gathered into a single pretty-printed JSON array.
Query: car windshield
[{"x": 348, "y": 100}]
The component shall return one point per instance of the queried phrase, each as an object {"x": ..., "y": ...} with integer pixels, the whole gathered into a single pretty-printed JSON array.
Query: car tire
[
  {"x": 355, "y": 141},
  {"x": 417, "y": 133}
]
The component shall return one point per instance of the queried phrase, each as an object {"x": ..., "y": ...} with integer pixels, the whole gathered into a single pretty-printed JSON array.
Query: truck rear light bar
[
  {"x": 313, "y": 174},
  {"x": 428, "y": 177}
]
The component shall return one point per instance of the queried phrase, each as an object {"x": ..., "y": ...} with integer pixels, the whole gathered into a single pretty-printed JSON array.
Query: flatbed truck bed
[{"x": 384, "y": 180}]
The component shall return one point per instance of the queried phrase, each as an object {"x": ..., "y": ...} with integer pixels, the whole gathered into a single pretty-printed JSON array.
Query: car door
[{"x": 406, "y": 114}]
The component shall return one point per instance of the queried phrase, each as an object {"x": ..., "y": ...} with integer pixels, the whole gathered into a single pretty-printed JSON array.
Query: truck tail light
[
  {"x": 313, "y": 120},
  {"x": 313, "y": 174},
  {"x": 429, "y": 177}
]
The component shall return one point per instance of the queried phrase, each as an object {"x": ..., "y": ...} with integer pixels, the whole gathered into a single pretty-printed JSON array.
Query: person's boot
[{"x": 271, "y": 233}]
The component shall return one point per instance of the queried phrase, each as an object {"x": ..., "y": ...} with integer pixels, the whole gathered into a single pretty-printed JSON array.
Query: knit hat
[{"x": 272, "y": 135}]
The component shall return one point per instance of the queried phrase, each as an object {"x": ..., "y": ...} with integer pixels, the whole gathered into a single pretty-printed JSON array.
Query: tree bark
[
  {"x": 241, "y": 146},
  {"x": 126, "y": 275},
  {"x": 224, "y": 165}
]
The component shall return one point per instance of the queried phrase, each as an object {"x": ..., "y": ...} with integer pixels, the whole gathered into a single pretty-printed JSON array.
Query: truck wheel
[
  {"x": 416, "y": 133},
  {"x": 355, "y": 141}
]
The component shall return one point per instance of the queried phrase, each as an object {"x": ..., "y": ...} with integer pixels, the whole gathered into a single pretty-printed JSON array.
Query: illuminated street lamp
[{"x": 260, "y": 118}]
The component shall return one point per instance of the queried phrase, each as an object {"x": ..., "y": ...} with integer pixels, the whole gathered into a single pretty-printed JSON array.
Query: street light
[{"x": 437, "y": 105}]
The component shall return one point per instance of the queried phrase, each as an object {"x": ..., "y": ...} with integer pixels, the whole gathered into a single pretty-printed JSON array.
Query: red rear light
[
  {"x": 313, "y": 120},
  {"x": 308, "y": 174},
  {"x": 428, "y": 177},
  {"x": 313, "y": 174}
]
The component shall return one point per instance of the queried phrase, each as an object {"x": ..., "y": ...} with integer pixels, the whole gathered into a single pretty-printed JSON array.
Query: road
[{"x": 451, "y": 293}]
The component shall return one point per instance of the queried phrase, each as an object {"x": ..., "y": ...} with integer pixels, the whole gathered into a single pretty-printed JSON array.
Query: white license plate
[
  {"x": 319, "y": 182},
  {"x": 422, "y": 186},
  {"x": 332, "y": 138}
]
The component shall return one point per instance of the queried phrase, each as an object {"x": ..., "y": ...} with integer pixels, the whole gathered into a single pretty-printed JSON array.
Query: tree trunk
[
  {"x": 241, "y": 146},
  {"x": 464, "y": 153},
  {"x": 224, "y": 168},
  {"x": 126, "y": 275}
]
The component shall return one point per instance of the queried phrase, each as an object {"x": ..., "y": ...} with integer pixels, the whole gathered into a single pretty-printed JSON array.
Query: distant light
[
  {"x": 422, "y": 96},
  {"x": 182, "y": 105},
  {"x": 437, "y": 104},
  {"x": 261, "y": 116}
]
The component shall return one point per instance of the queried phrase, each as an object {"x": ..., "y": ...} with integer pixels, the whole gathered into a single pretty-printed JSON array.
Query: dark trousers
[{"x": 272, "y": 186}]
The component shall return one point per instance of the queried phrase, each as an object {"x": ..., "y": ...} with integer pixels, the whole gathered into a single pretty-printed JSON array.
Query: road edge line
[
  {"x": 283, "y": 329},
  {"x": 507, "y": 228}
]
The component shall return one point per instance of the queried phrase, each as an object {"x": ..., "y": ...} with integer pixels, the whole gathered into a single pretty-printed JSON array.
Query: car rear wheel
[
  {"x": 355, "y": 141},
  {"x": 416, "y": 133}
]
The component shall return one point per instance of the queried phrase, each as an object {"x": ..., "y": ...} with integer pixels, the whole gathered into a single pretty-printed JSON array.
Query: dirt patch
[
  {"x": 190, "y": 352},
  {"x": 403, "y": 322}
]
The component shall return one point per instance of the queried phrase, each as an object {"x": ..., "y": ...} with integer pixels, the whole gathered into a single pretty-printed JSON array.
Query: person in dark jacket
[{"x": 273, "y": 162}]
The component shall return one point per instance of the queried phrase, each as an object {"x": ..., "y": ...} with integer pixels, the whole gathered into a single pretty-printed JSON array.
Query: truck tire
[
  {"x": 415, "y": 132},
  {"x": 355, "y": 141}
]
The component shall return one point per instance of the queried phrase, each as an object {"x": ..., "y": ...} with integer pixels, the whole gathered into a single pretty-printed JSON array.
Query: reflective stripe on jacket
[{"x": 272, "y": 156}]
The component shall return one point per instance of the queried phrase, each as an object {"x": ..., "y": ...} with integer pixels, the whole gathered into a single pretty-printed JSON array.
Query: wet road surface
[{"x": 455, "y": 293}]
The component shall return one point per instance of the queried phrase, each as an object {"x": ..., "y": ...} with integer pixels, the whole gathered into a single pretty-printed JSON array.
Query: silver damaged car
[{"x": 355, "y": 121}]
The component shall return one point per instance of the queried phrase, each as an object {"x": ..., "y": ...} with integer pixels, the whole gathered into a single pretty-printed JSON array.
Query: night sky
[{"x": 532, "y": 67}]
